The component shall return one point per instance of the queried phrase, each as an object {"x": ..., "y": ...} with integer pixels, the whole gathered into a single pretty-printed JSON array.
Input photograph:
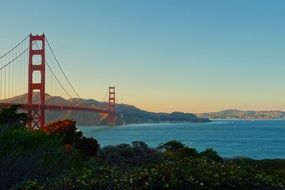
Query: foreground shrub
[
  {"x": 198, "y": 173},
  {"x": 128, "y": 155},
  {"x": 211, "y": 155},
  {"x": 38, "y": 160},
  {"x": 10, "y": 117},
  {"x": 128, "y": 166},
  {"x": 26, "y": 155},
  {"x": 177, "y": 150},
  {"x": 88, "y": 146},
  {"x": 72, "y": 136}
]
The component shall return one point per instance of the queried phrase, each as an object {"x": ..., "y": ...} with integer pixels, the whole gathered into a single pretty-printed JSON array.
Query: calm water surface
[{"x": 256, "y": 139}]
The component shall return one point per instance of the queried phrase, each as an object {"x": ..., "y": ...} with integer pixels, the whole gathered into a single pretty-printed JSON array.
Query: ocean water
[{"x": 259, "y": 139}]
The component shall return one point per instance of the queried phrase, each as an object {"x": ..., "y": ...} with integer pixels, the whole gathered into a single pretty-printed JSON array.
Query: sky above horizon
[{"x": 162, "y": 55}]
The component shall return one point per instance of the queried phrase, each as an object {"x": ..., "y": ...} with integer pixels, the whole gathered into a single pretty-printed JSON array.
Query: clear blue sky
[{"x": 163, "y": 55}]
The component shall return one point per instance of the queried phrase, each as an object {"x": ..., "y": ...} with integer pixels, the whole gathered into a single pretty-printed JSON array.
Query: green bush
[
  {"x": 72, "y": 136},
  {"x": 38, "y": 160},
  {"x": 10, "y": 117},
  {"x": 28, "y": 155},
  {"x": 88, "y": 146},
  {"x": 177, "y": 150},
  {"x": 188, "y": 173},
  {"x": 211, "y": 154},
  {"x": 171, "y": 146},
  {"x": 129, "y": 155}
]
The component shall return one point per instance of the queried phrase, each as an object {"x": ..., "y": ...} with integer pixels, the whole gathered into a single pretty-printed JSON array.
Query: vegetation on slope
[
  {"x": 125, "y": 113},
  {"x": 59, "y": 157}
]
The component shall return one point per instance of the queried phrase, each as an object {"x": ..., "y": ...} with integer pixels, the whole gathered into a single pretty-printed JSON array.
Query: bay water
[{"x": 257, "y": 139}]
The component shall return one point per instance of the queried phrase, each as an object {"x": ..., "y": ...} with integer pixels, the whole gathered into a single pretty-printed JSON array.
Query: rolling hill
[
  {"x": 125, "y": 113},
  {"x": 238, "y": 114}
]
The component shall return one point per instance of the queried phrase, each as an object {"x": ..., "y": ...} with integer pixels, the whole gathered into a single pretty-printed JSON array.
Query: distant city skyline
[{"x": 163, "y": 55}]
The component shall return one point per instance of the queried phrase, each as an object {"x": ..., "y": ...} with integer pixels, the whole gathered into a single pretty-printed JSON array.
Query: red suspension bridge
[{"x": 13, "y": 81}]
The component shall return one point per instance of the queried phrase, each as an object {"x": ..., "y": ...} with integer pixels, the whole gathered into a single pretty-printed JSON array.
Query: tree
[
  {"x": 171, "y": 145},
  {"x": 211, "y": 155},
  {"x": 11, "y": 117},
  {"x": 177, "y": 149},
  {"x": 72, "y": 137}
]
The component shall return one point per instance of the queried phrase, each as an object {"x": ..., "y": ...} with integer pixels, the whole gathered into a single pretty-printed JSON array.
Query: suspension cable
[
  {"x": 64, "y": 72},
  {"x": 14, "y": 47},
  {"x": 54, "y": 75},
  {"x": 58, "y": 80},
  {"x": 14, "y": 59},
  {"x": 104, "y": 99}
]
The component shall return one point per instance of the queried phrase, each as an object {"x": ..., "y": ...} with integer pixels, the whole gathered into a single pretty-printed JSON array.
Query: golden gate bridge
[{"x": 29, "y": 56}]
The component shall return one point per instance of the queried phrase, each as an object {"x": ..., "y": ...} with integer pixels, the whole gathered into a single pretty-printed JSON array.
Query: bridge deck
[{"x": 55, "y": 107}]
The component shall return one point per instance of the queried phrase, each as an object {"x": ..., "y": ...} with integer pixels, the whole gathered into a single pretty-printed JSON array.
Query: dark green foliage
[
  {"x": 177, "y": 150},
  {"x": 10, "y": 116},
  {"x": 128, "y": 155},
  {"x": 38, "y": 160},
  {"x": 271, "y": 166},
  {"x": 72, "y": 136},
  {"x": 26, "y": 155},
  {"x": 211, "y": 154},
  {"x": 171, "y": 146},
  {"x": 190, "y": 173},
  {"x": 88, "y": 146}
]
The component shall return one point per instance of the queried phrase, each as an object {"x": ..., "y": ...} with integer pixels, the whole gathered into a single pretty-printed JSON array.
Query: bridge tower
[
  {"x": 36, "y": 114},
  {"x": 112, "y": 106}
]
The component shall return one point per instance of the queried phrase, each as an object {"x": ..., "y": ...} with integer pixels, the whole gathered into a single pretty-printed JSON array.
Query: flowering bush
[
  {"x": 27, "y": 155},
  {"x": 189, "y": 173},
  {"x": 64, "y": 127},
  {"x": 37, "y": 160},
  {"x": 72, "y": 137}
]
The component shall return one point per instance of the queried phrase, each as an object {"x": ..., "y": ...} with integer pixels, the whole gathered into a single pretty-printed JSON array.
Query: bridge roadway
[{"x": 55, "y": 107}]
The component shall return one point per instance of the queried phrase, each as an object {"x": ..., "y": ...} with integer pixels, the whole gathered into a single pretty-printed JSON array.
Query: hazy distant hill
[
  {"x": 125, "y": 113},
  {"x": 238, "y": 114}
]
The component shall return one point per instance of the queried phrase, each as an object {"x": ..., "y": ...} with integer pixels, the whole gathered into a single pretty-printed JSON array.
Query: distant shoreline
[{"x": 281, "y": 119}]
